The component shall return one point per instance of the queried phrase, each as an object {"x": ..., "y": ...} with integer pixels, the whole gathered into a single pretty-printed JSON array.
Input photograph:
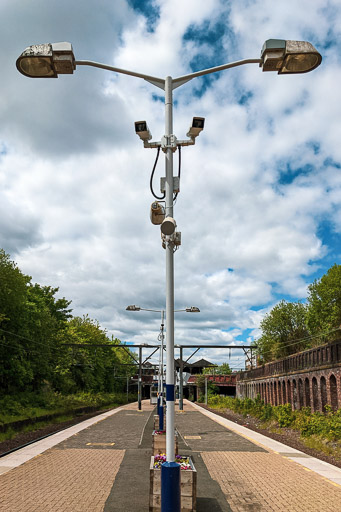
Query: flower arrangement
[
  {"x": 180, "y": 459},
  {"x": 158, "y": 460}
]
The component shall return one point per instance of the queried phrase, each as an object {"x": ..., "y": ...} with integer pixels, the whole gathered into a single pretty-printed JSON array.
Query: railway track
[{"x": 23, "y": 439}]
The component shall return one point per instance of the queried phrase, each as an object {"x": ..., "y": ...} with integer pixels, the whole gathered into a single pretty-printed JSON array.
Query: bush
[
  {"x": 327, "y": 426},
  {"x": 284, "y": 415}
]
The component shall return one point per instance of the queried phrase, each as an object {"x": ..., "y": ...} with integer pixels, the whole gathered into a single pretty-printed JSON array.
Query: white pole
[
  {"x": 159, "y": 384},
  {"x": 162, "y": 346},
  {"x": 170, "y": 470},
  {"x": 181, "y": 386},
  {"x": 170, "y": 406},
  {"x": 161, "y": 425}
]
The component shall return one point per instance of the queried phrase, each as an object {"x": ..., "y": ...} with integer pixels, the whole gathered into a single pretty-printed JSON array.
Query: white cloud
[{"x": 74, "y": 180}]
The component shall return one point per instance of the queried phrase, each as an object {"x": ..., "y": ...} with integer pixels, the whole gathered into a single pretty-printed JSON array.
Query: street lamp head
[
  {"x": 289, "y": 57},
  {"x": 193, "y": 309},
  {"x": 133, "y": 308},
  {"x": 47, "y": 60}
]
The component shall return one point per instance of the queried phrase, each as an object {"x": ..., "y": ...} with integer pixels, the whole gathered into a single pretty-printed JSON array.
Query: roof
[{"x": 202, "y": 363}]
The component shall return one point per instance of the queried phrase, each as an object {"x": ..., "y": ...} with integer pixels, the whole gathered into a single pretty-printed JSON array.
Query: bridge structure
[
  {"x": 141, "y": 362},
  {"x": 225, "y": 383},
  {"x": 311, "y": 378}
]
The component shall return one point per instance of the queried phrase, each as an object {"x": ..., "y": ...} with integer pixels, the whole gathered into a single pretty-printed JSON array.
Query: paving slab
[{"x": 104, "y": 467}]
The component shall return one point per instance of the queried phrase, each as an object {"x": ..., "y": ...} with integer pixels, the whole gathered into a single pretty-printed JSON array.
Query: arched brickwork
[
  {"x": 315, "y": 390},
  {"x": 333, "y": 392},
  {"x": 284, "y": 392},
  {"x": 279, "y": 393},
  {"x": 307, "y": 392},
  {"x": 300, "y": 393},
  {"x": 309, "y": 379},
  {"x": 314, "y": 387},
  {"x": 289, "y": 399},
  {"x": 294, "y": 394},
  {"x": 323, "y": 388}
]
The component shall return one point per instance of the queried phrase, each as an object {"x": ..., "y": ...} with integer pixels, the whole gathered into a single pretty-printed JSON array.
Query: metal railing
[{"x": 324, "y": 355}]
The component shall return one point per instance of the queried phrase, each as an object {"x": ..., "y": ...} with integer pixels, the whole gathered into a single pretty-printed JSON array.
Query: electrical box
[{"x": 176, "y": 185}]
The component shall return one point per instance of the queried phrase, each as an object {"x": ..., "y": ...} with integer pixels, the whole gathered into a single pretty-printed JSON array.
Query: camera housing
[
  {"x": 197, "y": 126},
  {"x": 157, "y": 213},
  {"x": 142, "y": 130}
]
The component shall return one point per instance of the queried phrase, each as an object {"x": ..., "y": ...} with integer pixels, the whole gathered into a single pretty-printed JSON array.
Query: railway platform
[{"x": 102, "y": 464}]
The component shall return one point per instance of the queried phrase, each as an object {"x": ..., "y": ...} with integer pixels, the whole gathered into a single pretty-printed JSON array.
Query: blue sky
[{"x": 260, "y": 190}]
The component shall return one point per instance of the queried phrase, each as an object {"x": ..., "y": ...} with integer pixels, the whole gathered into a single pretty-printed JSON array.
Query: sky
[{"x": 259, "y": 203}]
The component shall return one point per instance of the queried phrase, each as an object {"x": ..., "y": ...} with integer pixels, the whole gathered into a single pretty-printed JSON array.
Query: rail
[{"x": 228, "y": 380}]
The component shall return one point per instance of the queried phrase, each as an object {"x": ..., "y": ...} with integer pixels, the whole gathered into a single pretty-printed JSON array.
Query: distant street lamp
[
  {"x": 192, "y": 309},
  {"x": 285, "y": 57}
]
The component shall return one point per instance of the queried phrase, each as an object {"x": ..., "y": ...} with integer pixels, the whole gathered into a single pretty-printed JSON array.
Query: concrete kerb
[{"x": 324, "y": 469}]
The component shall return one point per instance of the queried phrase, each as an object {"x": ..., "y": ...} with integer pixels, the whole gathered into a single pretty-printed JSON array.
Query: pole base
[{"x": 170, "y": 487}]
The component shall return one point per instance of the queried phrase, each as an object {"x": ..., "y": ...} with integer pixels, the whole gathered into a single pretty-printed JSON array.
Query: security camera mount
[
  {"x": 169, "y": 235},
  {"x": 170, "y": 141}
]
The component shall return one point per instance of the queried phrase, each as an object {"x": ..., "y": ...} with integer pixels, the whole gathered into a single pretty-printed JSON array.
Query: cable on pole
[
  {"x": 179, "y": 172},
  {"x": 152, "y": 176}
]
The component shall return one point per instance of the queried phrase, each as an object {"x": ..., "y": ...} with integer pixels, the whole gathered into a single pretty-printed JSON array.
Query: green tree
[
  {"x": 91, "y": 367},
  {"x": 284, "y": 331},
  {"x": 223, "y": 369},
  {"x": 35, "y": 328},
  {"x": 32, "y": 320},
  {"x": 45, "y": 322},
  {"x": 15, "y": 368},
  {"x": 324, "y": 305}
]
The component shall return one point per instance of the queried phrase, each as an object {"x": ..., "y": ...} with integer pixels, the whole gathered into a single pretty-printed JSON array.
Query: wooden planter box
[
  {"x": 188, "y": 484},
  {"x": 159, "y": 443}
]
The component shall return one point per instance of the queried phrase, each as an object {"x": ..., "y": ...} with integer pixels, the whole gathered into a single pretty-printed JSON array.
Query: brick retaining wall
[{"x": 308, "y": 379}]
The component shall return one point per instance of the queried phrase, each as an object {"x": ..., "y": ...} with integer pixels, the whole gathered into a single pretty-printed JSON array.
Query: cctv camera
[
  {"x": 198, "y": 124},
  {"x": 157, "y": 213},
  {"x": 142, "y": 130}
]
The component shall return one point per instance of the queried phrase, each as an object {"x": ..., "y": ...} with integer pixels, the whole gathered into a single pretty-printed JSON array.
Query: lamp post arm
[
  {"x": 158, "y": 82},
  {"x": 153, "y": 310},
  {"x": 185, "y": 78}
]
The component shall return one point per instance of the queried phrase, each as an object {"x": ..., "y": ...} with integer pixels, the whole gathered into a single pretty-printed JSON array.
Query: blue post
[
  {"x": 158, "y": 405},
  {"x": 170, "y": 487},
  {"x": 161, "y": 415}
]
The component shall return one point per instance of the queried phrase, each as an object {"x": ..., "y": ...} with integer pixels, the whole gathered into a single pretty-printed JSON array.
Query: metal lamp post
[
  {"x": 192, "y": 309},
  {"x": 285, "y": 57}
]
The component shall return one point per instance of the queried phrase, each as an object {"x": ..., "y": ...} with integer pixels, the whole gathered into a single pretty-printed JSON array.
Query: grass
[{"x": 332, "y": 448}]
